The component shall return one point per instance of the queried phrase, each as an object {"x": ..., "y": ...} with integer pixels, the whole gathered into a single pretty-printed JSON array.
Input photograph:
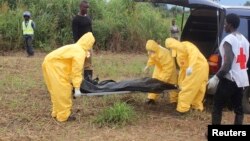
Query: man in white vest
[
  {"x": 28, "y": 27},
  {"x": 232, "y": 76}
]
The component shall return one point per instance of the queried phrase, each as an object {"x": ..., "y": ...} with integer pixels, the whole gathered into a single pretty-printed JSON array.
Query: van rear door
[{"x": 203, "y": 24}]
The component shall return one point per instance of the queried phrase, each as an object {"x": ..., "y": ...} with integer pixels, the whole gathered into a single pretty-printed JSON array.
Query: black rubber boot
[
  {"x": 73, "y": 92},
  {"x": 238, "y": 120},
  {"x": 88, "y": 74},
  {"x": 150, "y": 102},
  {"x": 71, "y": 118},
  {"x": 216, "y": 119},
  {"x": 180, "y": 114}
]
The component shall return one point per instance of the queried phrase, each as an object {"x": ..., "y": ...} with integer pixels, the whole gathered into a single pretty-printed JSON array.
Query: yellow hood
[
  {"x": 175, "y": 45},
  {"x": 152, "y": 45},
  {"x": 86, "y": 41}
]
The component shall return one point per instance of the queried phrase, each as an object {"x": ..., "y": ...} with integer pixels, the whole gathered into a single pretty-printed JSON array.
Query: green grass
[
  {"x": 17, "y": 83},
  {"x": 128, "y": 66},
  {"x": 119, "y": 114}
]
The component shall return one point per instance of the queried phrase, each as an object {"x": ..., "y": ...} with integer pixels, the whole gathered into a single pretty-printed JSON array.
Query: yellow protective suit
[
  {"x": 164, "y": 65},
  {"x": 192, "y": 86},
  {"x": 62, "y": 67}
]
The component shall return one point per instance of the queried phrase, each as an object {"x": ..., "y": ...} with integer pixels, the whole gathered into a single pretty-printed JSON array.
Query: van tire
[{"x": 246, "y": 100}]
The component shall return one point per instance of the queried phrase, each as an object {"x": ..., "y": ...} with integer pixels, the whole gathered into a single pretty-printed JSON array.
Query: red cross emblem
[{"x": 241, "y": 59}]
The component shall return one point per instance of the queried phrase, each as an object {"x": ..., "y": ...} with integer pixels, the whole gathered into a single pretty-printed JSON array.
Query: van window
[
  {"x": 243, "y": 27},
  {"x": 248, "y": 30}
]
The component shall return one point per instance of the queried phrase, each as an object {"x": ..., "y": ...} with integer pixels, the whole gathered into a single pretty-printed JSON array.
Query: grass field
[{"x": 25, "y": 106}]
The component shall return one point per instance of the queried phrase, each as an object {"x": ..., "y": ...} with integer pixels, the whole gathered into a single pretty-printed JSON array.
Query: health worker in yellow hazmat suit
[
  {"x": 62, "y": 68},
  {"x": 193, "y": 74},
  {"x": 164, "y": 66}
]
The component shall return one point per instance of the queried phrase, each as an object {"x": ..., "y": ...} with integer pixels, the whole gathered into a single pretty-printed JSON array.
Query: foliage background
[{"x": 118, "y": 25}]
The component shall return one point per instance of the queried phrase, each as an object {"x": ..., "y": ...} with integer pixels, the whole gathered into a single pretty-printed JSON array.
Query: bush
[
  {"x": 52, "y": 19},
  {"x": 118, "y": 115},
  {"x": 118, "y": 25}
]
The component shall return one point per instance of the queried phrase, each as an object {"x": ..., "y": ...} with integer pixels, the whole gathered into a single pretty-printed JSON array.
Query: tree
[
  {"x": 247, "y": 3},
  {"x": 176, "y": 10}
]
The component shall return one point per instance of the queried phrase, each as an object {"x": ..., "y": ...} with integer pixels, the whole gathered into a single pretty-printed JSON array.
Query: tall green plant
[
  {"x": 118, "y": 115},
  {"x": 10, "y": 26},
  {"x": 118, "y": 25}
]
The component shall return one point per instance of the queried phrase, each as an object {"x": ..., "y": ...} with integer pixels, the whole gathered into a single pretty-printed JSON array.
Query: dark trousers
[
  {"x": 227, "y": 91},
  {"x": 28, "y": 44}
]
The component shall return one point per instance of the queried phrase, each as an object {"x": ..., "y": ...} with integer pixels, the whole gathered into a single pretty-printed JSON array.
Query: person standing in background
[
  {"x": 174, "y": 30},
  {"x": 28, "y": 27},
  {"x": 82, "y": 24}
]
